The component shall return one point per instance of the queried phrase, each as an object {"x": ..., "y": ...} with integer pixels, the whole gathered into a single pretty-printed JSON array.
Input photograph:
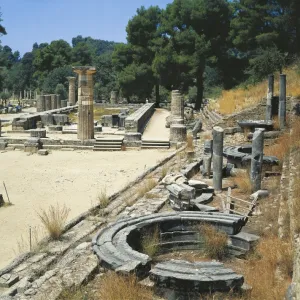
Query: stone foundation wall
[
  {"x": 137, "y": 121},
  {"x": 29, "y": 122}
]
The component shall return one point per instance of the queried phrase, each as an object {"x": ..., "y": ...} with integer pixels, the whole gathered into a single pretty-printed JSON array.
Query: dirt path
[
  {"x": 73, "y": 178},
  {"x": 156, "y": 129}
]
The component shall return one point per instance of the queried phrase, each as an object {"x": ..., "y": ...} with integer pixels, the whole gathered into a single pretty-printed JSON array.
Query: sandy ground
[
  {"x": 72, "y": 178},
  {"x": 156, "y": 129}
]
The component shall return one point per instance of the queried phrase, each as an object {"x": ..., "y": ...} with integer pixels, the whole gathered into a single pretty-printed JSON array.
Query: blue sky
[{"x": 30, "y": 21}]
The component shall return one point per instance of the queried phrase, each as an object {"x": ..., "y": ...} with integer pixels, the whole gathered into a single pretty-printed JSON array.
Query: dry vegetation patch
[
  {"x": 215, "y": 242},
  {"x": 146, "y": 186},
  {"x": 235, "y": 100},
  {"x": 54, "y": 219},
  {"x": 150, "y": 242},
  {"x": 115, "y": 287},
  {"x": 243, "y": 182}
]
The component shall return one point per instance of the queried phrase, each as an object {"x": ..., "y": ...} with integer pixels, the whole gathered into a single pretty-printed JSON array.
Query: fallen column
[
  {"x": 257, "y": 159},
  {"x": 218, "y": 137}
]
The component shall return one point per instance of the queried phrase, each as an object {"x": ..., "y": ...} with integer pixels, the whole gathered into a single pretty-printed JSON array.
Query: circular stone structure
[
  {"x": 119, "y": 246},
  {"x": 241, "y": 156},
  {"x": 178, "y": 133}
]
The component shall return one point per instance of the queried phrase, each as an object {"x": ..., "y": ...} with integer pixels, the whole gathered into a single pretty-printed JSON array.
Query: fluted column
[
  {"x": 177, "y": 108},
  {"x": 85, "y": 129},
  {"x": 72, "y": 90}
]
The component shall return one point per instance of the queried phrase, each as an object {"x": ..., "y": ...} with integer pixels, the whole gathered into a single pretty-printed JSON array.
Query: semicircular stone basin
[
  {"x": 118, "y": 246},
  {"x": 241, "y": 156}
]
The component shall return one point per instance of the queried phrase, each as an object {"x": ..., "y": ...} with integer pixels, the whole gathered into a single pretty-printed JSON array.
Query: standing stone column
[
  {"x": 72, "y": 90},
  {"x": 113, "y": 97},
  {"x": 53, "y": 101},
  {"x": 40, "y": 105},
  {"x": 177, "y": 108},
  {"x": 47, "y": 102},
  {"x": 85, "y": 130},
  {"x": 218, "y": 137},
  {"x": 257, "y": 158},
  {"x": 58, "y": 101},
  {"x": 270, "y": 96},
  {"x": 282, "y": 101}
]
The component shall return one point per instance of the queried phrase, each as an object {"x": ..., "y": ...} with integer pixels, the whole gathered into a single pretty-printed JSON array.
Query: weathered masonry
[{"x": 137, "y": 121}]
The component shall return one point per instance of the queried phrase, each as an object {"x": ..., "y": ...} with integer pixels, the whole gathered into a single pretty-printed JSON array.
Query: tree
[
  {"x": 2, "y": 29},
  {"x": 105, "y": 77},
  {"x": 189, "y": 42},
  {"x": 50, "y": 57},
  {"x": 61, "y": 91},
  {"x": 55, "y": 77},
  {"x": 134, "y": 61},
  {"x": 81, "y": 55}
]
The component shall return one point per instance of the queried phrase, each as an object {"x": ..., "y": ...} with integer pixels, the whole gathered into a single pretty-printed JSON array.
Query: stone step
[
  {"x": 155, "y": 147},
  {"x": 107, "y": 149},
  {"x": 108, "y": 146},
  {"x": 108, "y": 143}
]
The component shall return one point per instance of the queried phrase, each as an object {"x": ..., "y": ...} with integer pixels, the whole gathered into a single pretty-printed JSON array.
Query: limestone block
[
  {"x": 39, "y": 133},
  {"x": 43, "y": 152}
]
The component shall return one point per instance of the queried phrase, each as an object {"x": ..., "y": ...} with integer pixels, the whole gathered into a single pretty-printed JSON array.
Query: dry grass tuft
[
  {"x": 269, "y": 271},
  {"x": 146, "y": 186},
  {"x": 103, "y": 199},
  {"x": 150, "y": 242},
  {"x": 243, "y": 182},
  {"x": 215, "y": 242},
  {"x": 115, "y": 287},
  {"x": 276, "y": 125},
  {"x": 164, "y": 171},
  {"x": 190, "y": 143},
  {"x": 281, "y": 148},
  {"x": 54, "y": 219}
]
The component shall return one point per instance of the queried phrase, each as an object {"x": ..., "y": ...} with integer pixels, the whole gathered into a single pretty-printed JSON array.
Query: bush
[{"x": 54, "y": 219}]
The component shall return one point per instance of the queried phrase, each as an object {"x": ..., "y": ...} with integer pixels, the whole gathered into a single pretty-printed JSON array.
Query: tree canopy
[{"x": 194, "y": 46}]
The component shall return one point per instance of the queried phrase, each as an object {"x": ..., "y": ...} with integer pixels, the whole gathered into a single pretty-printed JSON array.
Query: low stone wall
[
  {"x": 137, "y": 121},
  {"x": 29, "y": 121},
  {"x": 127, "y": 105}
]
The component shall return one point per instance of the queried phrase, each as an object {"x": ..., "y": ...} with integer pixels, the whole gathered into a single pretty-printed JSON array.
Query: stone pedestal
[
  {"x": 177, "y": 133},
  {"x": 47, "y": 102},
  {"x": 0, "y": 127},
  {"x": 270, "y": 95},
  {"x": 72, "y": 90},
  {"x": 257, "y": 158},
  {"x": 177, "y": 108},
  {"x": 218, "y": 137},
  {"x": 113, "y": 97},
  {"x": 282, "y": 101},
  {"x": 53, "y": 101},
  {"x": 85, "y": 102},
  {"x": 40, "y": 105}
]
